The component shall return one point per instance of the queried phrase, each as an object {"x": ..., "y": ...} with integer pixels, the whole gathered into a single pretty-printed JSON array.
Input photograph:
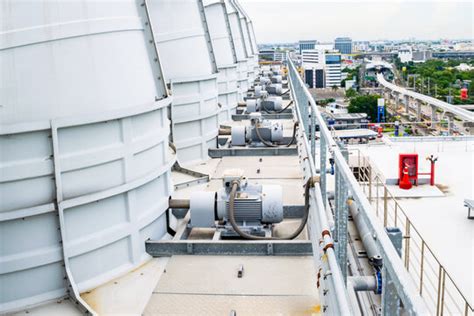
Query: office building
[
  {"x": 303, "y": 45},
  {"x": 343, "y": 45},
  {"x": 333, "y": 69}
]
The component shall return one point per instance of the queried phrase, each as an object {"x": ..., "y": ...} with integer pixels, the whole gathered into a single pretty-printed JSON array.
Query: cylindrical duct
[
  {"x": 188, "y": 61},
  {"x": 85, "y": 163}
]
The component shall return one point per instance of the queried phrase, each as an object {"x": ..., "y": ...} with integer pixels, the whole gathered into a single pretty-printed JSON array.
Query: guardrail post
[
  {"x": 385, "y": 206},
  {"x": 407, "y": 244},
  {"x": 390, "y": 299},
  {"x": 370, "y": 182},
  {"x": 313, "y": 134},
  {"x": 341, "y": 215},
  {"x": 322, "y": 168}
]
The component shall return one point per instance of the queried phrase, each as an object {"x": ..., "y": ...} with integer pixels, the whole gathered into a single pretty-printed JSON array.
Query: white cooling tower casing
[
  {"x": 243, "y": 81},
  {"x": 85, "y": 162},
  {"x": 249, "y": 50},
  {"x": 226, "y": 59},
  {"x": 188, "y": 62},
  {"x": 249, "y": 41},
  {"x": 255, "y": 47}
]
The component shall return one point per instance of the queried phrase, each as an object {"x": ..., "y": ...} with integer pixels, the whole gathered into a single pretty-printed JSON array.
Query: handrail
[
  {"x": 439, "y": 287},
  {"x": 404, "y": 285},
  {"x": 462, "y": 113},
  {"x": 335, "y": 301}
]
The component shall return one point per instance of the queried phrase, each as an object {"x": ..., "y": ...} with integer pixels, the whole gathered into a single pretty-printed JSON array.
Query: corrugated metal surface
[
  {"x": 85, "y": 162},
  {"x": 188, "y": 61},
  {"x": 226, "y": 59}
]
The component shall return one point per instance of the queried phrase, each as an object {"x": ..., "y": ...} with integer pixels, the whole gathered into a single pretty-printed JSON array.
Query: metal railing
[
  {"x": 310, "y": 117},
  {"x": 434, "y": 283}
]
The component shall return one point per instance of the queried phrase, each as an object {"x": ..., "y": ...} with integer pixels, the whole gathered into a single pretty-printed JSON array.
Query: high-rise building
[
  {"x": 306, "y": 45},
  {"x": 310, "y": 57},
  {"x": 343, "y": 45},
  {"x": 333, "y": 69}
]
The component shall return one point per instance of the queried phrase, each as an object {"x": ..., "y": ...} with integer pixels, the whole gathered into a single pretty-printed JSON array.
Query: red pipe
[
  {"x": 432, "y": 160},
  {"x": 432, "y": 181}
]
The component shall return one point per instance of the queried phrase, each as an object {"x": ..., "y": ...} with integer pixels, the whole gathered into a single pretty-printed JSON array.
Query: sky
[{"x": 292, "y": 20}]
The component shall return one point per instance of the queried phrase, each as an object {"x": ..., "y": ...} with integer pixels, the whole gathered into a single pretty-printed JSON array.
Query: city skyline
[{"x": 286, "y": 22}]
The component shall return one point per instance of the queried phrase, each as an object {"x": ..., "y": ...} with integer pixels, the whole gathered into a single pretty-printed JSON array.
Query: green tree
[
  {"x": 364, "y": 104},
  {"x": 334, "y": 88},
  {"x": 350, "y": 93}
]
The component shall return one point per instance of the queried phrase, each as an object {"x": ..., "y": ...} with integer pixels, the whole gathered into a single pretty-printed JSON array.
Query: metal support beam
[
  {"x": 256, "y": 151},
  {"x": 407, "y": 104},
  {"x": 268, "y": 116},
  {"x": 434, "y": 116},
  {"x": 450, "y": 118},
  {"x": 390, "y": 299},
  {"x": 167, "y": 248}
]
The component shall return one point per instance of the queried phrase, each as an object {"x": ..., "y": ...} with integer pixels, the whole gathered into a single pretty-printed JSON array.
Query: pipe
[
  {"x": 225, "y": 131},
  {"x": 179, "y": 203},
  {"x": 365, "y": 235},
  {"x": 362, "y": 283},
  {"x": 233, "y": 193}
]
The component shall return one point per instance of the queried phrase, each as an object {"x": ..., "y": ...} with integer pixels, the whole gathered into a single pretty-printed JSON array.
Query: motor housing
[
  {"x": 256, "y": 206},
  {"x": 275, "y": 88},
  {"x": 273, "y": 103},
  {"x": 269, "y": 131}
]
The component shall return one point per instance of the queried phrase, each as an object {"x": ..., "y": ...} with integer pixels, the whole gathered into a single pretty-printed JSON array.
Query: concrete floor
[{"x": 208, "y": 285}]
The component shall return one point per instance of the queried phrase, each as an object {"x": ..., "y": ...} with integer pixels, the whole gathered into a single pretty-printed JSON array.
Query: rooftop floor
[{"x": 438, "y": 213}]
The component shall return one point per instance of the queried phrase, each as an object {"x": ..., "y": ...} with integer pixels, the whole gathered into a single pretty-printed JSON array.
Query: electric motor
[
  {"x": 276, "y": 79},
  {"x": 254, "y": 204},
  {"x": 275, "y": 88},
  {"x": 264, "y": 81},
  {"x": 253, "y": 105},
  {"x": 272, "y": 103},
  {"x": 259, "y": 92},
  {"x": 268, "y": 131}
]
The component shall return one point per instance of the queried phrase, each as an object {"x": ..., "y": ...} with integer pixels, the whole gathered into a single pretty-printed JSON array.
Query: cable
[
  {"x": 268, "y": 144},
  {"x": 245, "y": 235},
  {"x": 272, "y": 112},
  {"x": 293, "y": 138}
]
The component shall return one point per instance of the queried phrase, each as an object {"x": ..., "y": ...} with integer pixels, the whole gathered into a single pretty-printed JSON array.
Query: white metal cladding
[
  {"x": 255, "y": 47},
  {"x": 228, "y": 92},
  {"x": 237, "y": 36},
  {"x": 84, "y": 156},
  {"x": 188, "y": 62},
  {"x": 218, "y": 24},
  {"x": 219, "y": 29},
  {"x": 247, "y": 45},
  {"x": 242, "y": 79}
]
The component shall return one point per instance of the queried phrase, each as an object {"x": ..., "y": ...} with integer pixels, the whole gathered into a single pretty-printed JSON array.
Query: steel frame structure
[{"x": 333, "y": 293}]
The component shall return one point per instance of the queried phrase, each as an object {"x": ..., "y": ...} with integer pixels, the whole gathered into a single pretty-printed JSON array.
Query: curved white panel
[
  {"x": 219, "y": 29},
  {"x": 228, "y": 92},
  {"x": 85, "y": 162},
  {"x": 188, "y": 62}
]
